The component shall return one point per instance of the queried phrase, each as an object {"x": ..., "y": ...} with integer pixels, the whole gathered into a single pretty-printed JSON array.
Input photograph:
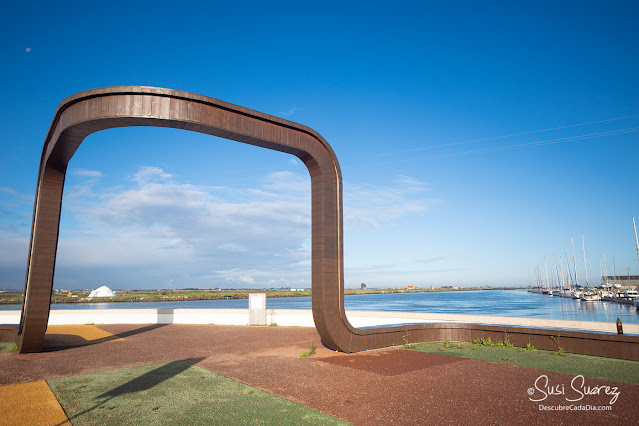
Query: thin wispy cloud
[
  {"x": 19, "y": 204},
  {"x": 8, "y": 190},
  {"x": 431, "y": 260},
  {"x": 290, "y": 112},
  {"x": 85, "y": 172},
  {"x": 369, "y": 207}
]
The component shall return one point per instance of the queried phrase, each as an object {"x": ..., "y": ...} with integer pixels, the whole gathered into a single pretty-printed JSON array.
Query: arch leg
[{"x": 41, "y": 264}]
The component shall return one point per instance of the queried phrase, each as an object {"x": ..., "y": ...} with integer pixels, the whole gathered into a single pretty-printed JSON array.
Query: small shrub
[
  {"x": 448, "y": 344},
  {"x": 529, "y": 347},
  {"x": 311, "y": 350},
  {"x": 484, "y": 342},
  {"x": 273, "y": 324},
  {"x": 506, "y": 343},
  {"x": 560, "y": 351}
]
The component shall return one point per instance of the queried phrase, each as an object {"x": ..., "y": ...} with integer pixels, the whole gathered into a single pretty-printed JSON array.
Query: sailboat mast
[
  {"x": 556, "y": 271},
  {"x": 636, "y": 240},
  {"x": 583, "y": 245},
  {"x": 540, "y": 282},
  {"x": 605, "y": 268},
  {"x": 574, "y": 260},
  {"x": 568, "y": 274},
  {"x": 546, "y": 270}
]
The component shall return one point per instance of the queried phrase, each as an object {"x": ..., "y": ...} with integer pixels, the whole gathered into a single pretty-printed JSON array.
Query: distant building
[
  {"x": 624, "y": 280},
  {"x": 103, "y": 291},
  {"x": 412, "y": 287}
]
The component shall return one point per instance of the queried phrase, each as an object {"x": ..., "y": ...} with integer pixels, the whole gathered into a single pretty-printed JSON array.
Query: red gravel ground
[{"x": 387, "y": 386}]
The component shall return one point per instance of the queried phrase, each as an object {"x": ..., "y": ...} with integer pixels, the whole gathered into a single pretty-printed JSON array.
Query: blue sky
[{"x": 461, "y": 129}]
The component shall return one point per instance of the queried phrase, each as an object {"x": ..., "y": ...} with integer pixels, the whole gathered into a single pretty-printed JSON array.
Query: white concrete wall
[{"x": 296, "y": 317}]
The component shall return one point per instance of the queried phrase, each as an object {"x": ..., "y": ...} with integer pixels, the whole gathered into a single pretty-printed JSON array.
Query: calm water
[{"x": 508, "y": 303}]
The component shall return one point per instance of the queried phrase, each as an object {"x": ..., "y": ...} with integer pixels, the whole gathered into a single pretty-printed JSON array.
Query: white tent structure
[{"x": 103, "y": 291}]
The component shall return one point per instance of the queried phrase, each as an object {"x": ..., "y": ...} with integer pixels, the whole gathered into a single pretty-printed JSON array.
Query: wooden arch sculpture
[{"x": 93, "y": 110}]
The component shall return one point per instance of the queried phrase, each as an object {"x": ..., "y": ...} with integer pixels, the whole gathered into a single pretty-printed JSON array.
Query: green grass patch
[
  {"x": 174, "y": 393},
  {"x": 8, "y": 347},
  {"x": 619, "y": 370}
]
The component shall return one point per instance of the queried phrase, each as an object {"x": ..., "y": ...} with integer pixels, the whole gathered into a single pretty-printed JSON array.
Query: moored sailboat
[{"x": 590, "y": 296}]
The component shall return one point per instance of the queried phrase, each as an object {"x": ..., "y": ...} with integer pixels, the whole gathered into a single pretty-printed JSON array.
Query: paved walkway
[{"x": 388, "y": 386}]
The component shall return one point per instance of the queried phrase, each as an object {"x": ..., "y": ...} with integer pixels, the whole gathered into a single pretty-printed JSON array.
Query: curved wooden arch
[{"x": 93, "y": 110}]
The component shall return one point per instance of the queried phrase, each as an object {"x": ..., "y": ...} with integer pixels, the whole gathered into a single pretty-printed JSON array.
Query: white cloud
[
  {"x": 147, "y": 174},
  {"x": 8, "y": 190},
  {"x": 290, "y": 111},
  {"x": 410, "y": 184},
  {"x": 367, "y": 207},
  {"x": 258, "y": 236},
  {"x": 160, "y": 222},
  {"x": 87, "y": 173},
  {"x": 247, "y": 279},
  {"x": 288, "y": 183}
]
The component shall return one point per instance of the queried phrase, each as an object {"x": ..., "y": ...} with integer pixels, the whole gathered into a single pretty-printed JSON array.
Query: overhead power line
[
  {"x": 537, "y": 143},
  {"x": 532, "y": 132}
]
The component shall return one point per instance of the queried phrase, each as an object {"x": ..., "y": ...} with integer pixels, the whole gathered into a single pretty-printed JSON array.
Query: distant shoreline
[{"x": 142, "y": 296}]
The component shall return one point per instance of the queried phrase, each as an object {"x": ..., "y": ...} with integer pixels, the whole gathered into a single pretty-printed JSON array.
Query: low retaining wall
[
  {"x": 299, "y": 318},
  {"x": 585, "y": 337},
  {"x": 578, "y": 342},
  {"x": 8, "y": 333}
]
